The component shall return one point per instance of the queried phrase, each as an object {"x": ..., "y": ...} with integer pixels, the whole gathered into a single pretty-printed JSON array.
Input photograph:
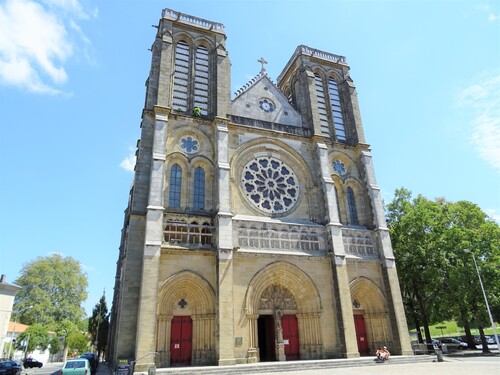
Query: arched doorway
[
  {"x": 371, "y": 318},
  {"x": 186, "y": 321},
  {"x": 283, "y": 309}
]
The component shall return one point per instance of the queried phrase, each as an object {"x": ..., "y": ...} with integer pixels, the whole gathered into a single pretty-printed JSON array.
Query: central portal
[{"x": 267, "y": 338}]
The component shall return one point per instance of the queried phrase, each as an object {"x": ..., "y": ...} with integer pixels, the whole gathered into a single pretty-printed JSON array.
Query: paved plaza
[{"x": 463, "y": 363}]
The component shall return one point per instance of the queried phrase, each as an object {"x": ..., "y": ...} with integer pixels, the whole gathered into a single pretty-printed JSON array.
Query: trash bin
[{"x": 439, "y": 354}]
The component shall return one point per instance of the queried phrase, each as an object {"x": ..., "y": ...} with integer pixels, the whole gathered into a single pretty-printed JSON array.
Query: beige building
[
  {"x": 8, "y": 293},
  {"x": 255, "y": 229}
]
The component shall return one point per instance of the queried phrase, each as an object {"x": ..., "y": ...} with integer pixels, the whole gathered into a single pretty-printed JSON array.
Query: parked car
[
  {"x": 31, "y": 362},
  {"x": 9, "y": 368},
  {"x": 77, "y": 366},
  {"x": 92, "y": 360},
  {"x": 453, "y": 344},
  {"x": 490, "y": 339},
  {"x": 17, "y": 364}
]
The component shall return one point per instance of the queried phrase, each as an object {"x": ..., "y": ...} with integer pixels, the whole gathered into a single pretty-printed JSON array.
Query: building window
[
  {"x": 201, "y": 80},
  {"x": 191, "y": 77},
  {"x": 338, "y": 203},
  {"x": 199, "y": 189},
  {"x": 335, "y": 105},
  {"x": 323, "y": 115},
  {"x": 351, "y": 204},
  {"x": 174, "y": 199},
  {"x": 181, "y": 77}
]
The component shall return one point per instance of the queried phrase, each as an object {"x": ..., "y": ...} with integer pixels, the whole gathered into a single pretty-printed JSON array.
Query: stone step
[{"x": 291, "y": 366}]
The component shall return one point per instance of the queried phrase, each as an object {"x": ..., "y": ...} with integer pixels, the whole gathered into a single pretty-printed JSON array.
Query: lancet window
[
  {"x": 174, "y": 198},
  {"x": 191, "y": 78}
]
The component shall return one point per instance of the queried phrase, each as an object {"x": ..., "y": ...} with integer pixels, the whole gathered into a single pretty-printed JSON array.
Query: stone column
[
  {"x": 341, "y": 277},
  {"x": 280, "y": 344},
  {"x": 146, "y": 326},
  {"x": 224, "y": 224},
  {"x": 253, "y": 352}
]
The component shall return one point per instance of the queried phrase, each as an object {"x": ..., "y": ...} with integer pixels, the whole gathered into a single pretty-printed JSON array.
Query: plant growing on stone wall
[{"x": 197, "y": 112}]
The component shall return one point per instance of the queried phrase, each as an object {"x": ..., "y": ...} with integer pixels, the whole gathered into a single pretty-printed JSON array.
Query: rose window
[
  {"x": 270, "y": 185},
  {"x": 189, "y": 144}
]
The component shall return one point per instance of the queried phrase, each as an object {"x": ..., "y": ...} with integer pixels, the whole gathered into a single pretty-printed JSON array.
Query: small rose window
[
  {"x": 189, "y": 144},
  {"x": 266, "y": 105}
]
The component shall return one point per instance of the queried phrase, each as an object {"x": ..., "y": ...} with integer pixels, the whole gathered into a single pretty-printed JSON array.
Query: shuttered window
[
  {"x": 323, "y": 115},
  {"x": 201, "y": 80},
  {"x": 181, "y": 77},
  {"x": 335, "y": 104}
]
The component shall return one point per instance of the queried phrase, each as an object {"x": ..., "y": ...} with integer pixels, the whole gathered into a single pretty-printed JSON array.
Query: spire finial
[{"x": 262, "y": 61}]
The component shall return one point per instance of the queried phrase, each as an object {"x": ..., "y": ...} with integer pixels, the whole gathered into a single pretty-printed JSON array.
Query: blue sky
[{"x": 72, "y": 88}]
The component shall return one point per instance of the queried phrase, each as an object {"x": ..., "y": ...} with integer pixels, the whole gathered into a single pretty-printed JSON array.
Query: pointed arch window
[
  {"x": 181, "y": 77},
  {"x": 201, "y": 80},
  {"x": 199, "y": 189},
  {"x": 174, "y": 198},
  {"x": 322, "y": 112},
  {"x": 338, "y": 203},
  {"x": 351, "y": 204},
  {"x": 191, "y": 78},
  {"x": 335, "y": 105}
]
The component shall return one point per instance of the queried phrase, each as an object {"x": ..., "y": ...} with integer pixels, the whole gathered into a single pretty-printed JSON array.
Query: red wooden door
[
  {"x": 291, "y": 337},
  {"x": 359, "y": 324},
  {"x": 181, "y": 340}
]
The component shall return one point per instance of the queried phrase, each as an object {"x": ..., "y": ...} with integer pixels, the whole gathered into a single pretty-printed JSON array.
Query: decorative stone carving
[{"x": 277, "y": 297}]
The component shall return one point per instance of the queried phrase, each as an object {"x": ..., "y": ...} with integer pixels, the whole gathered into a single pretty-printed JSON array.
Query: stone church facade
[{"x": 255, "y": 229}]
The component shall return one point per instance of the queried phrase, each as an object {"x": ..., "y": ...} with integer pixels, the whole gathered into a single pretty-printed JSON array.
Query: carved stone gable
[{"x": 277, "y": 297}]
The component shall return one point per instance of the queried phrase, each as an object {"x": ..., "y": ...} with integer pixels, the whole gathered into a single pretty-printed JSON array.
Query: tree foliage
[
  {"x": 35, "y": 337},
  {"x": 77, "y": 342},
  {"x": 99, "y": 325},
  {"x": 55, "y": 286},
  {"x": 435, "y": 244}
]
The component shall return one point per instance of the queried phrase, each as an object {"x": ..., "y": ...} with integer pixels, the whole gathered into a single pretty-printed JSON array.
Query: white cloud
[
  {"x": 487, "y": 9},
  {"x": 482, "y": 102},
  {"x": 492, "y": 213},
  {"x": 35, "y": 42},
  {"x": 129, "y": 162}
]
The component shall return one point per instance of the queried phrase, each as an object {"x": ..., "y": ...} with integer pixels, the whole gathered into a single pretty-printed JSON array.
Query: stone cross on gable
[{"x": 262, "y": 61}]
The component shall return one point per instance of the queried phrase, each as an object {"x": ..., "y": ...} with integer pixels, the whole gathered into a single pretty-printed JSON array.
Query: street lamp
[
  {"x": 485, "y": 299},
  {"x": 14, "y": 329}
]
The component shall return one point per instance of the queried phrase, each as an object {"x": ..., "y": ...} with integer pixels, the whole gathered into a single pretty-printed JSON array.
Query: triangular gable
[{"x": 261, "y": 100}]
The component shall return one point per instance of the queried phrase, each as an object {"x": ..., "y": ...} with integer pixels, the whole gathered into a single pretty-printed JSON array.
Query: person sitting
[{"x": 383, "y": 354}]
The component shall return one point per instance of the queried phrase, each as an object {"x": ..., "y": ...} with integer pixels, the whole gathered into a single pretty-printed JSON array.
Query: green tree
[
  {"x": 77, "y": 342},
  {"x": 55, "y": 286},
  {"x": 416, "y": 227},
  {"x": 434, "y": 244},
  {"x": 470, "y": 236},
  {"x": 54, "y": 345},
  {"x": 35, "y": 337},
  {"x": 99, "y": 325}
]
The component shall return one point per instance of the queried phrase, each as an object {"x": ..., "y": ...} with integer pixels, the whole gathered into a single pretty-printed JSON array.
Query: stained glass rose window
[
  {"x": 270, "y": 185},
  {"x": 189, "y": 144}
]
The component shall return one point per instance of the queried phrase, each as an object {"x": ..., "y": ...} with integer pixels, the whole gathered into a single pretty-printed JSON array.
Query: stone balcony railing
[
  {"x": 359, "y": 242},
  {"x": 186, "y": 18},
  {"x": 274, "y": 237}
]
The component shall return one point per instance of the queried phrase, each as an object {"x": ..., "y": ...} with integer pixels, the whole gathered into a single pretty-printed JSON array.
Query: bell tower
[{"x": 188, "y": 86}]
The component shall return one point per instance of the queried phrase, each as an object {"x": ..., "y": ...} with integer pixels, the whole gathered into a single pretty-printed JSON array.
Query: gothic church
[{"x": 255, "y": 229}]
